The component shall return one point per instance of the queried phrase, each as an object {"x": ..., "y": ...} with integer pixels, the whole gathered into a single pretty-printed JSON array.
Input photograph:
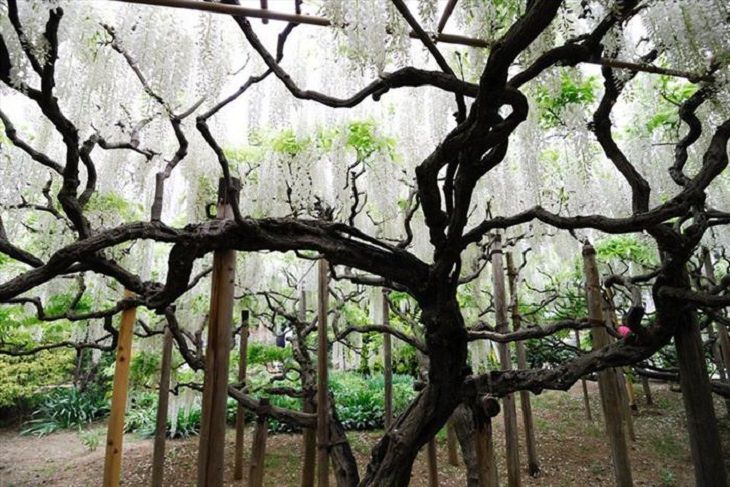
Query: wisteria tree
[{"x": 569, "y": 121}]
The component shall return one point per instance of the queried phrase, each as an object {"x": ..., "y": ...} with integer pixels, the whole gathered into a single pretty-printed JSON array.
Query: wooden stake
[
  {"x": 309, "y": 435},
  {"x": 215, "y": 386},
  {"x": 533, "y": 463},
  {"x": 258, "y": 447},
  {"x": 647, "y": 391},
  {"x": 510, "y": 412},
  {"x": 586, "y": 398},
  {"x": 387, "y": 364},
  {"x": 115, "y": 431},
  {"x": 484, "y": 439},
  {"x": 240, "y": 411},
  {"x": 322, "y": 387},
  {"x": 163, "y": 396},
  {"x": 433, "y": 472},
  {"x": 608, "y": 382},
  {"x": 451, "y": 440}
]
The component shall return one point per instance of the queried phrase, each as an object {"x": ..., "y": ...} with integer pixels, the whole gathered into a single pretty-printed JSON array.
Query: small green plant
[
  {"x": 668, "y": 478},
  {"x": 91, "y": 439}
]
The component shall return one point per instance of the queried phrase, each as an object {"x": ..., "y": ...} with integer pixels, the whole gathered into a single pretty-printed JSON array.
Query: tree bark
[{"x": 704, "y": 439}]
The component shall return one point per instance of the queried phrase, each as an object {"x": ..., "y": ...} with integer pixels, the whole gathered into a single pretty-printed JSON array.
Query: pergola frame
[{"x": 265, "y": 14}]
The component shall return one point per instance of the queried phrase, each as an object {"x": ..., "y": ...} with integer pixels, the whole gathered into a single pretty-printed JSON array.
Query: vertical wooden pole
[
  {"x": 510, "y": 412},
  {"x": 115, "y": 431},
  {"x": 533, "y": 463},
  {"x": 484, "y": 439},
  {"x": 433, "y": 472},
  {"x": 586, "y": 398},
  {"x": 240, "y": 411},
  {"x": 258, "y": 447},
  {"x": 217, "y": 353},
  {"x": 722, "y": 354},
  {"x": 607, "y": 379},
  {"x": 163, "y": 396},
  {"x": 322, "y": 387},
  {"x": 309, "y": 435},
  {"x": 451, "y": 440},
  {"x": 647, "y": 391},
  {"x": 387, "y": 364},
  {"x": 625, "y": 404}
]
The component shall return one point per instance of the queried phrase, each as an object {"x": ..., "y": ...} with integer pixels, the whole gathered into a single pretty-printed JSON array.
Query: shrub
[{"x": 65, "y": 408}]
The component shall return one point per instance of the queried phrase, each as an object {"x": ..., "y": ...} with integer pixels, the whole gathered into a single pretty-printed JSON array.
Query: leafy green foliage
[
  {"x": 22, "y": 377},
  {"x": 572, "y": 91},
  {"x": 363, "y": 137},
  {"x": 261, "y": 354},
  {"x": 673, "y": 92},
  {"x": 65, "y": 408},
  {"x": 111, "y": 203},
  {"x": 626, "y": 248},
  {"x": 288, "y": 143}
]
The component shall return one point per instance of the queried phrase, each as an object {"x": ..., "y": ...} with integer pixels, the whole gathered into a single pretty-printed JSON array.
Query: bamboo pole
[
  {"x": 240, "y": 411},
  {"x": 163, "y": 396},
  {"x": 433, "y": 472},
  {"x": 258, "y": 447},
  {"x": 607, "y": 379},
  {"x": 584, "y": 383},
  {"x": 115, "y": 430},
  {"x": 309, "y": 435},
  {"x": 510, "y": 412},
  {"x": 451, "y": 440},
  {"x": 387, "y": 364},
  {"x": 533, "y": 462},
  {"x": 215, "y": 386},
  {"x": 322, "y": 387}
]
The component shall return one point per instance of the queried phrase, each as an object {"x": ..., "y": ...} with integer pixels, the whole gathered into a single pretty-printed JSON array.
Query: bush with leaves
[{"x": 66, "y": 408}]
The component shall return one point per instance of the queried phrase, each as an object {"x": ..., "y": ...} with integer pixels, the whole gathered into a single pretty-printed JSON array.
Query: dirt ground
[{"x": 572, "y": 451}]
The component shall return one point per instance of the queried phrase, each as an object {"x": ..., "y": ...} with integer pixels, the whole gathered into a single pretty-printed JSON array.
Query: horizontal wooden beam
[{"x": 240, "y": 11}]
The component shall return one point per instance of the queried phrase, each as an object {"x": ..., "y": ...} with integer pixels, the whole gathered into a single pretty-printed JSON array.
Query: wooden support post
[
  {"x": 647, "y": 391},
  {"x": 309, "y": 435},
  {"x": 586, "y": 398},
  {"x": 722, "y": 355},
  {"x": 433, "y": 472},
  {"x": 451, "y": 440},
  {"x": 387, "y": 364},
  {"x": 258, "y": 447},
  {"x": 322, "y": 386},
  {"x": 630, "y": 391},
  {"x": 163, "y": 396},
  {"x": 217, "y": 353},
  {"x": 115, "y": 430},
  {"x": 625, "y": 404},
  {"x": 510, "y": 412},
  {"x": 240, "y": 411},
  {"x": 533, "y": 463},
  {"x": 484, "y": 411},
  {"x": 608, "y": 381}
]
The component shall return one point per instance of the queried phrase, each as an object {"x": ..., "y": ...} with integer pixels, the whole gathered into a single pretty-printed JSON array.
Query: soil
[{"x": 572, "y": 451}]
